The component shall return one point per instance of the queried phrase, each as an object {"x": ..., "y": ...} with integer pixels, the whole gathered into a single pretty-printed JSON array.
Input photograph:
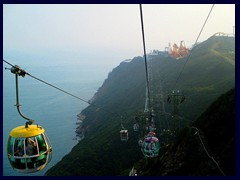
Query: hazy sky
[{"x": 103, "y": 34}]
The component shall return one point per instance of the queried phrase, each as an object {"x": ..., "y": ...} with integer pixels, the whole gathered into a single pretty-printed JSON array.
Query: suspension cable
[
  {"x": 145, "y": 58},
  {"x": 207, "y": 153},
  {"x": 8, "y": 63},
  {"x": 60, "y": 89},
  {"x": 193, "y": 46}
]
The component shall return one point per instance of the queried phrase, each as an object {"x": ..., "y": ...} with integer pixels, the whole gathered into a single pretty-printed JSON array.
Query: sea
[{"x": 54, "y": 110}]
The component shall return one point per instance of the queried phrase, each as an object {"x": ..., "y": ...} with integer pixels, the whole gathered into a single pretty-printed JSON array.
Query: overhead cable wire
[
  {"x": 8, "y": 63},
  {"x": 204, "y": 147},
  {"x": 66, "y": 92},
  {"x": 145, "y": 56},
  {"x": 194, "y": 46}
]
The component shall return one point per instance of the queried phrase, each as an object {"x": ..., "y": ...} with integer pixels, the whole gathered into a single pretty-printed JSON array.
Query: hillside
[
  {"x": 205, "y": 148},
  {"x": 209, "y": 73}
]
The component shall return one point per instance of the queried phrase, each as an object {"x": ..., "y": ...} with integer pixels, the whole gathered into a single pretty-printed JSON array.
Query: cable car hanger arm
[{"x": 20, "y": 72}]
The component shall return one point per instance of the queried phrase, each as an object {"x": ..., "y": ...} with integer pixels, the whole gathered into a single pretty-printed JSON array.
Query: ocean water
[{"x": 55, "y": 111}]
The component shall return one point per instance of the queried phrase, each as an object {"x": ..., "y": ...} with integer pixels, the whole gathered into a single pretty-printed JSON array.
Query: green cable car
[{"x": 150, "y": 146}]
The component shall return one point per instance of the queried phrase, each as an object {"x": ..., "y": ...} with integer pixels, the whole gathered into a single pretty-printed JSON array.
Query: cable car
[
  {"x": 124, "y": 135},
  {"x": 150, "y": 146},
  {"x": 136, "y": 127},
  {"x": 140, "y": 142},
  {"x": 28, "y": 149}
]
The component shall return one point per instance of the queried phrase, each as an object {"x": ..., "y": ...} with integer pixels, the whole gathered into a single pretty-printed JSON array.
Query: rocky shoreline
[{"x": 80, "y": 130}]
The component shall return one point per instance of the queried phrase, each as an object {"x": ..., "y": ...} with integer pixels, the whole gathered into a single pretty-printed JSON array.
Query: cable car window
[
  {"x": 10, "y": 145},
  {"x": 20, "y": 163},
  {"x": 41, "y": 160},
  {"x": 31, "y": 146},
  {"x": 31, "y": 162},
  {"x": 19, "y": 147},
  {"x": 41, "y": 144}
]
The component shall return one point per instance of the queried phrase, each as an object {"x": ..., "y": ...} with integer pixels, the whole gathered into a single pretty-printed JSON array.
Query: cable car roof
[
  {"x": 123, "y": 131},
  {"x": 151, "y": 139},
  {"x": 22, "y": 131}
]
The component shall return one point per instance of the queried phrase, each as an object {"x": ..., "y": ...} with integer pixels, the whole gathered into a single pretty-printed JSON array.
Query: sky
[{"x": 103, "y": 35}]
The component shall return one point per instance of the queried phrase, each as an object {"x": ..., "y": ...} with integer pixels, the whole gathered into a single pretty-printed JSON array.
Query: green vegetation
[
  {"x": 188, "y": 157},
  {"x": 209, "y": 72}
]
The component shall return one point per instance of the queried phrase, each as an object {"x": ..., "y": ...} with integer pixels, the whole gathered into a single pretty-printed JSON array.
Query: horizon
[{"x": 103, "y": 34}]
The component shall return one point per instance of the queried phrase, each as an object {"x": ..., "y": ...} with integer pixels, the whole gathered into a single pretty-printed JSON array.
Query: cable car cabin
[
  {"x": 150, "y": 147},
  {"x": 29, "y": 149},
  {"x": 124, "y": 135},
  {"x": 136, "y": 127}
]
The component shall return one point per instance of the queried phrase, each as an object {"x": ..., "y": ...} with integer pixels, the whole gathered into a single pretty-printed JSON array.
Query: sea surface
[{"x": 55, "y": 111}]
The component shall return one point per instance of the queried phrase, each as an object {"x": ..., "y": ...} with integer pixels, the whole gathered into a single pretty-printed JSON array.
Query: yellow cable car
[{"x": 29, "y": 149}]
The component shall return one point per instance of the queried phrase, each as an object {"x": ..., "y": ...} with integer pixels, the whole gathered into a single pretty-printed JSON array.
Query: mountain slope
[
  {"x": 122, "y": 96},
  {"x": 206, "y": 148}
]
